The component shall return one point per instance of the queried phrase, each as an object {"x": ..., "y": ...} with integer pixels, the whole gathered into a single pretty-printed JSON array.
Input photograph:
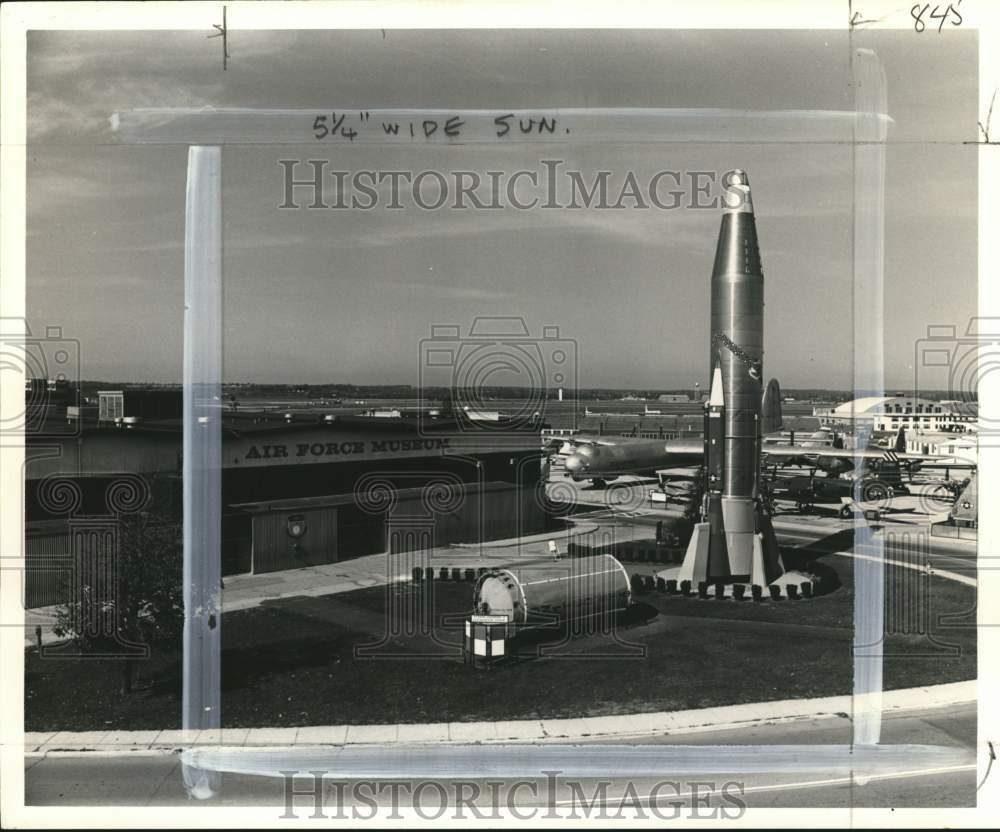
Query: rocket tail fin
[{"x": 770, "y": 408}]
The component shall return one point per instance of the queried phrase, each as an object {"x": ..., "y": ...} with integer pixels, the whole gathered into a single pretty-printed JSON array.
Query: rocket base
[
  {"x": 767, "y": 577},
  {"x": 791, "y": 585}
]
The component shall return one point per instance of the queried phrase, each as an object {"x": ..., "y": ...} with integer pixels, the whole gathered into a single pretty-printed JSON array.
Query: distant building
[
  {"x": 136, "y": 404},
  {"x": 890, "y": 413},
  {"x": 962, "y": 447},
  {"x": 675, "y": 398}
]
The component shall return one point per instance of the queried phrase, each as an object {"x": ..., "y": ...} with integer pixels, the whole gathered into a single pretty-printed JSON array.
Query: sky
[{"x": 349, "y": 296}]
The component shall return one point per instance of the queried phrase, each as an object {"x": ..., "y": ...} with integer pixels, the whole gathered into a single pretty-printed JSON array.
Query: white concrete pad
[
  {"x": 616, "y": 725},
  {"x": 366, "y": 734},
  {"x": 75, "y": 740},
  {"x": 36, "y": 739},
  {"x": 568, "y": 728},
  {"x": 175, "y": 738},
  {"x": 129, "y": 739},
  {"x": 472, "y": 731},
  {"x": 271, "y": 736},
  {"x": 218, "y": 736},
  {"x": 235, "y": 736},
  {"x": 431, "y": 732},
  {"x": 321, "y": 735},
  {"x": 525, "y": 729}
]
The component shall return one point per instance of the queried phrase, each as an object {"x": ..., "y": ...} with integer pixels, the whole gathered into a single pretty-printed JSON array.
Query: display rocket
[{"x": 735, "y": 540}]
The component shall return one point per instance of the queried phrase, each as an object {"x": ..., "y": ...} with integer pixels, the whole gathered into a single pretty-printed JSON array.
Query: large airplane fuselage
[{"x": 636, "y": 456}]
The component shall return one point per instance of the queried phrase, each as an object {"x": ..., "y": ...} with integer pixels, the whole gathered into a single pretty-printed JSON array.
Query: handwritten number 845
[{"x": 918, "y": 12}]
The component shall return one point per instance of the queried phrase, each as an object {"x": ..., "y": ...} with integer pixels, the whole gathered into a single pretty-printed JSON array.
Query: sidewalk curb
[{"x": 511, "y": 731}]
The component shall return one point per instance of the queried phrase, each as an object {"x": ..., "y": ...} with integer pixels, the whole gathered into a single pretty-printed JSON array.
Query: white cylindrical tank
[{"x": 554, "y": 592}]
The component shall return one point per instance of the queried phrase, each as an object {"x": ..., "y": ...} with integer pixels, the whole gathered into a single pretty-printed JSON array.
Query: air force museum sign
[
  {"x": 320, "y": 446},
  {"x": 357, "y": 448}
]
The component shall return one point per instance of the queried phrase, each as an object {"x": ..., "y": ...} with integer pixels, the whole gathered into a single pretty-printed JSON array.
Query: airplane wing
[
  {"x": 580, "y": 439},
  {"x": 679, "y": 473},
  {"x": 692, "y": 448},
  {"x": 554, "y": 443},
  {"x": 791, "y": 451}
]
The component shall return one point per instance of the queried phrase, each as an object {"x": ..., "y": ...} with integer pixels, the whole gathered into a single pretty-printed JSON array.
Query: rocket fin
[
  {"x": 767, "y": 565},
  {"x": 695, "y": 565},
  {"x": 770, "y": 408}
]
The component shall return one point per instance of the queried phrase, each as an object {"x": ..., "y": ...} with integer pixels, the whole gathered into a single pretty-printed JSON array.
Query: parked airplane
[
  {"x": 603, "y": 459},
  {"x": 601, "y": 462},
  {"x": 877, "y": 485},
  {"x": 823, "y": 438},
  {"x": 966, "y": 508}
]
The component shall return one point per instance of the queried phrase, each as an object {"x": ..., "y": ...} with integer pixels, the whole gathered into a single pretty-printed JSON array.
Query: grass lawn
[{"x": 329, "y": 660}]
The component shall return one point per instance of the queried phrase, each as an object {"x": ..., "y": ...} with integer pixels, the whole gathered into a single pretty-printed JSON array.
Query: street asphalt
[{"x": 142, "y": 779}]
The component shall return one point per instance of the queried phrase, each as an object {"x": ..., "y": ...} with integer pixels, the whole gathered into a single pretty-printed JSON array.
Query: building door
[{"x": 359, "y": 532}]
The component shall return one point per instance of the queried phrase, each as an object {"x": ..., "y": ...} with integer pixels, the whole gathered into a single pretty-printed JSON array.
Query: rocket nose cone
[{"x": 736, "y": 195}]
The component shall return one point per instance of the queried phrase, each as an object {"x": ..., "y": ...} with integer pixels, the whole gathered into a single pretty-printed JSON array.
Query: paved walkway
[
  {"x": 627, "y": 726},
  {"x": 245, "y": 591}
]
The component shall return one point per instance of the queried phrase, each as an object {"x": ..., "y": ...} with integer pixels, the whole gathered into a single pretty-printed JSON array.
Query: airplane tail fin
[
  {"x": 900, "y": 445},
  {"x": 770, "y": 408}
]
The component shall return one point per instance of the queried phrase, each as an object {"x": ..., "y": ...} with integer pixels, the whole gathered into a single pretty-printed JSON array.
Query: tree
[{"x": 125, "y": 610}]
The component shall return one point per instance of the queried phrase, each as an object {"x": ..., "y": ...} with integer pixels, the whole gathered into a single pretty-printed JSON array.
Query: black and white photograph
[{"x": 495, "y": 415}]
